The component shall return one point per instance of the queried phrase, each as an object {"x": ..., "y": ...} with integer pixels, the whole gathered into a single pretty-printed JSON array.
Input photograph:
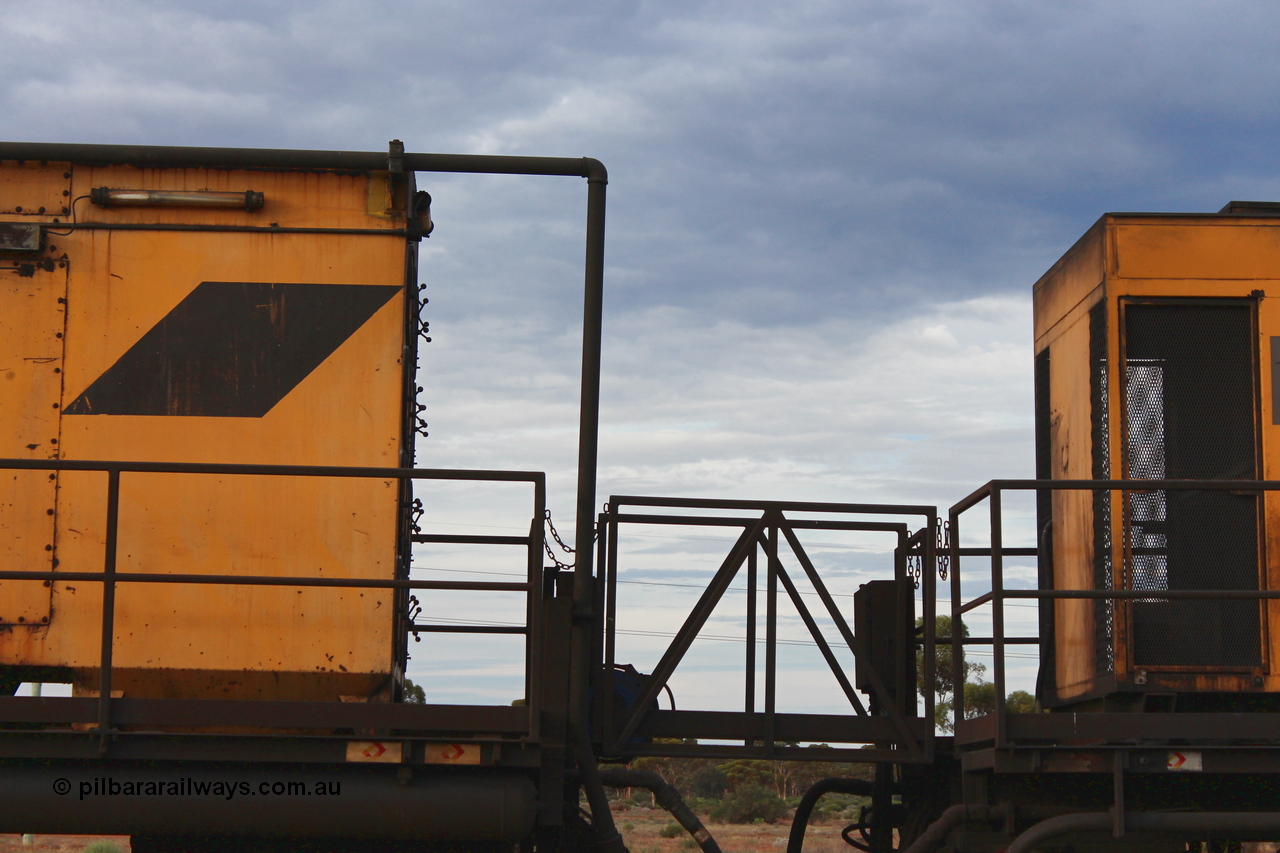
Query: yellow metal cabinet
[
  {"x": 170, "y": 333},
  {"x": 1154, "y": 338}
]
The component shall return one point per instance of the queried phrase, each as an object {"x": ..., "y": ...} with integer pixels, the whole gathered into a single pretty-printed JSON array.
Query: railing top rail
[
  {"x": 1135, "y": 485},
  {"x": 537, "y": 477},
  {"x": 266, "y": 580},
  {"x": 616, "y": 501}
]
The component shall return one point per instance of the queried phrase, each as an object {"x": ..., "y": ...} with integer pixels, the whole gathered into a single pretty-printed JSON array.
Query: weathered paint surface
[
  {"x": 313, "y": 378},
  {"x": 1143, "y": 257},
  {"x": 32, "y": 320},
  {"x": 1072, "y": 511}
]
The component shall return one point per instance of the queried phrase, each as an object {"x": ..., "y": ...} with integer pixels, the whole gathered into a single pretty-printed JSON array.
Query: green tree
[
  {"x": 944, "y": 671},
  {"x": 749, "y": 803},
  {"x": 979, "y": 695},
  {"x": 1020, "y": 702},
  {"x": 744, "y": 772}
]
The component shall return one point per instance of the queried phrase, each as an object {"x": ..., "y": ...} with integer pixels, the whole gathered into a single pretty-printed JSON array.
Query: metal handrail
[
  {"x": 992, "y": 492},
  {"x": 766, "y": 530},
  {"x": 110, "y": 577}
]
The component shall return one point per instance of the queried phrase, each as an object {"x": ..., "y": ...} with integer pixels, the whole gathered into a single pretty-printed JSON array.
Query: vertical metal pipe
[
  {"x": 600, "y": 610},
  {"x": 957, "y": 640},
  {"x": 588, "y": 446},
  {"x": 771, "y": 637},
  {"x": 929, "y": 615},
  {"x": 749, "y": 703},
  {"x": 882, "y": 810},
  {"x": 108, "y": 605},
  {"x": 997, "y": 610},
  {"x": 589, "y": 401},
  {"x": 610, "y": 569},
  {"x": 536, "y": 637}
]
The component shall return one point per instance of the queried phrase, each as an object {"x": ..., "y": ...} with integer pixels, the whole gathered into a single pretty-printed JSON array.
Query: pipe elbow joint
[{"x": 594, "y": 171}]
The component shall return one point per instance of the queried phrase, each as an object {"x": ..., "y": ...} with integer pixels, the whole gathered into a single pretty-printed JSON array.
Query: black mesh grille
[
  {"x": 1047, "y": 677},
  {"x": 1103, "y": 610},
  {"x": 1189, "y": 414}
]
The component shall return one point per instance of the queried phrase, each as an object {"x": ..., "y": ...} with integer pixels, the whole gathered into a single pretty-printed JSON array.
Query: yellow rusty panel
[
  {"x": 1268, "y": 328},
  {"x": 268, "y": 642},
  {"x": 31, "y": 327},
  {"x": 292, "y": 199},
  {"x": 1073, "y": 280},
  {"x": 38, "y": 190},
  {"x": 1216, "y": 249},
  {"x": 1072, "y": 459}
]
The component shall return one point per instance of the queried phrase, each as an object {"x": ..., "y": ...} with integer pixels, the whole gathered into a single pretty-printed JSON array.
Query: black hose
[
  {"x": 608, "y": 840},
  {"x": 1189, "y": 822},
  {"x": 936, "y": 833},
  {"x": 804, "y": 810},
  {"x": 665, "y": 795}
]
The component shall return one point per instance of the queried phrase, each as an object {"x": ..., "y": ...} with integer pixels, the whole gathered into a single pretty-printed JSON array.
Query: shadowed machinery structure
[{"x": 209, "y": 503}]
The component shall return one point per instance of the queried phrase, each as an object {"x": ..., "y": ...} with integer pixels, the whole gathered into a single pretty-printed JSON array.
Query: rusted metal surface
[
  {"x": 231, "y": 349},
  {"x": 892, "y": 718},
  {"x": 108, "y": 672},
  {"x": 369, "y": 803},
  {"x": 20, "y": 237}
]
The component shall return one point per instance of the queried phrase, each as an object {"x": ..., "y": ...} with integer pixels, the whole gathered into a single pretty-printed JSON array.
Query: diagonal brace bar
[
  {"x": 689, "y": 630},
  {"x": 807, "y": 618},
  {"x": 895, "y": 713}
]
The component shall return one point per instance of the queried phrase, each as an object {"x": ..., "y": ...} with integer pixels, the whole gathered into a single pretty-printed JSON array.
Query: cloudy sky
[{"x": 824, "y": 217}]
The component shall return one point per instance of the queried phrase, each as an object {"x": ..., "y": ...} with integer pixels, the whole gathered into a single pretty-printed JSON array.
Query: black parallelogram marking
[{"x": 232, "y": 349}]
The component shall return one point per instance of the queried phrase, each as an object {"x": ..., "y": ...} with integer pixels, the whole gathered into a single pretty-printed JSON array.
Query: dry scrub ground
[
  {"x": 59, "y": 843},
  {"x": 641, "y": 827}
]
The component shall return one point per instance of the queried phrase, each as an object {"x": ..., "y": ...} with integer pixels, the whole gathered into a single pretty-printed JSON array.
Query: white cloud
[{"x": 824, "y": 216}]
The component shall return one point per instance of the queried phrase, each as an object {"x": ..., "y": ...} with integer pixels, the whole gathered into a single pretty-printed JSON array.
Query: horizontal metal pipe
[
  {"x": 1128, "y": 595},
  {"x": 1239, "y": 825},
  {"x": 536, "y": 477},
  {"x": 269, "y": 580},
  {"x": 616, "y": 501},
  {"x": 156, "y": 156},
  {"x": 1006, "y": 552},
  {"x": 446, "y": 804},
  {"x": 463, "y": 539},
  {"x": 984, "y": 491},
  {"x": 468, "y": 629},
  {"x": 727, "y": 521},
  {"x": 176, "y": 226},
  {"x": 144, "y": 715},
  {"x": 986, "y": 641}
]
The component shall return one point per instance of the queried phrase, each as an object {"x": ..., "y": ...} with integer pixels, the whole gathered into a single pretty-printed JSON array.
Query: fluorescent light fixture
[{"x": 106, "y": 197}]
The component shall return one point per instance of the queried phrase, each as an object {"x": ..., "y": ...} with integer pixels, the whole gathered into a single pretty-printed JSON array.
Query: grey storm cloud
[
  {"x": 824, "y": 216},
  {"x": 770, "y": 161}
]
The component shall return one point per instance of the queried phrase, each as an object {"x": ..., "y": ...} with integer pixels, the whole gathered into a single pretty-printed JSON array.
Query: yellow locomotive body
[
  {"x": 221, "y": 316},
  {"x": 1154, "y": 340}
]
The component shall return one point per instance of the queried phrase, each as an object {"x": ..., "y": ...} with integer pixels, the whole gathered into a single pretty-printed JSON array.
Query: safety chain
[
  {"x": 415, "y": 515},
  {"x": 415, "y": 609},
  {"x": 943, "y": 549},
  {"x": 424, "y": 327},
  {"x": 555, "y": 534},
  {"x": 915, "y": 568}
]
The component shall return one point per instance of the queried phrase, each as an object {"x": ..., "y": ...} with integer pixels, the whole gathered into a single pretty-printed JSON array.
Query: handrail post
[
  {"x": 929, "y": 606},
  {"x": 749, "y": 697},
  {"x": 997, "y": 611},
  {"x": 957, "y": 634},
  {"x": 108, "y": 606},
  {"x": 581, "y": 644},
  {"x": 771, "y": 635}
]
